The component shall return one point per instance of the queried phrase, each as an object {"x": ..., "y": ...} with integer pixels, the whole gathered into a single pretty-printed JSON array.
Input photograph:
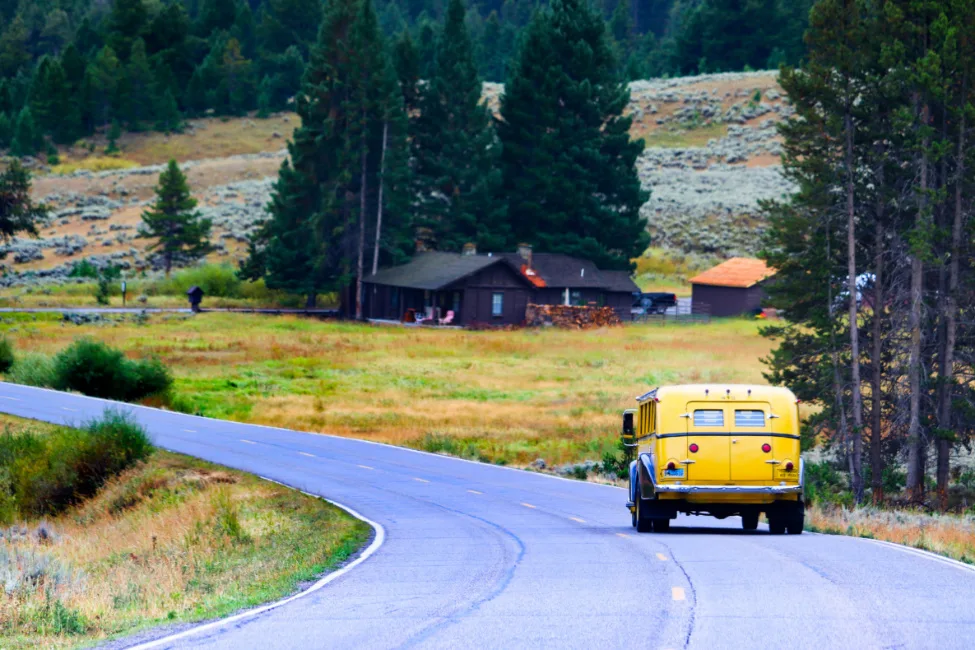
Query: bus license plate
[{"x": 674, "y": 473}]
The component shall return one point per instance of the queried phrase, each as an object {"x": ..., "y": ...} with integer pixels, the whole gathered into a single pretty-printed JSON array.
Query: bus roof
[{"x": 706, "y": 392}]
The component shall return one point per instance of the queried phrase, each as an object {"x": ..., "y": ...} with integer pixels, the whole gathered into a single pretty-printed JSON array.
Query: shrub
[
  {"x": 216, "y": 280},
  {"x": 93, "y": 368},
  {"x": 6, "y": 354},
  {"x": 83, "y": 269},
  {"x": 51, "y": 473},
  {"x": 33, "y": 369}
]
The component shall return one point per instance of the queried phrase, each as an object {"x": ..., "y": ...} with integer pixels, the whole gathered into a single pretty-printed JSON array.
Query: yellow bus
[{"x": 719, "y": 450}]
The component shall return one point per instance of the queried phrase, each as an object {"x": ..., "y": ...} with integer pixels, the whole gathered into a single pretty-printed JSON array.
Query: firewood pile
[{"x": 569, "y": 317}]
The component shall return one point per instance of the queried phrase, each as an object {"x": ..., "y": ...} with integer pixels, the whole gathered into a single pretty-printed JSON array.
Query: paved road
[{"x": 488, "y": 557}]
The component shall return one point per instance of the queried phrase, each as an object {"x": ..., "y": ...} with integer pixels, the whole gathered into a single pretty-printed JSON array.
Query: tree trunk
[
  {"x": 951, "y": 324},
  {"x": 362, "y": 227},
  {"x": 379, "y": 209},
  {"x": 876, "y": 388},
  {"x": 915, "y": 452},
  {"x": 856, "y": 405},
  {"x": 310, "y": 300}
]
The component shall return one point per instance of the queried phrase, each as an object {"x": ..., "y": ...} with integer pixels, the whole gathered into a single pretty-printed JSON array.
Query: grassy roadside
[
  {"x": 950, "y": 535},
  {"x": 172, "y": 539}
]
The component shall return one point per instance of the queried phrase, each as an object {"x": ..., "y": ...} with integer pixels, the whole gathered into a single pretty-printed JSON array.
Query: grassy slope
[
  {"x": 175, "y": 539},
  {"x": 502, "y": 396}
]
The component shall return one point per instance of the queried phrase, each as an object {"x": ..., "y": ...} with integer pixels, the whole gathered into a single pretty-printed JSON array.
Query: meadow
[
  {"x": 499, "y": 396},
  {"x": 171, "y": 539}
]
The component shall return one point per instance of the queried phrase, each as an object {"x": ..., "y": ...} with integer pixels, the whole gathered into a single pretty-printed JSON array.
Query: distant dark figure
[{"x": 195, "y": 295}]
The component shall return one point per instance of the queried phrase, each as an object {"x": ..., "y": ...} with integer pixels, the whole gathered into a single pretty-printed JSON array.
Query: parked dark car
[{"x": 652, "y": 303}]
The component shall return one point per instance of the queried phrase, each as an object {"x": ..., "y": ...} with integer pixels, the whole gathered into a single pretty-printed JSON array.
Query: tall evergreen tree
[
  {"x": 18, "y": 212},
  {"x": 568, "y": 161},
  {"x": 127, "y": 21},
  {"x": 181, "y": 234},
  {"x": 455, "y": 149},
  {"x": 54, "y": 108},
  {"x": 137, "y": 88},
  {"x": 25, "y": 141}
]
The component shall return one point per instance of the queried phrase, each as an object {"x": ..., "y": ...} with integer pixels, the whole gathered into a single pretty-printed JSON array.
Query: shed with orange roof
[{"x": 731, "y": 288}]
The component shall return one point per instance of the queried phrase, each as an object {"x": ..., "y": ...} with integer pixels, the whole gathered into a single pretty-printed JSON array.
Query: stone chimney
[
  {"x": 470, "y": 248},
  {"x": 525, "y": 251}
]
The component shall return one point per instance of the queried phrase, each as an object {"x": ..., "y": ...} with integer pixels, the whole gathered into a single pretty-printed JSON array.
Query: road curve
[{"x": 488, "y": 557}]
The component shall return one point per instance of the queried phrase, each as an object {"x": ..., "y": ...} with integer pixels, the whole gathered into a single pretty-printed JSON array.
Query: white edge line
[
  {"x": 309, "y": 433},
  {"x": 903, "y": 548},
  {"x": 377, "y": 541}
]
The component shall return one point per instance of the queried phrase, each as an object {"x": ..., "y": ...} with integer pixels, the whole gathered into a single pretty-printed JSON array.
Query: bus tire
[
  {"x": 776, "y": 524},
  {"x": 644, "y": 524},
  {"x": 797, "y": 520},
  {"x": 749, "y": 520},
  {"x": 661, "y": 525}
]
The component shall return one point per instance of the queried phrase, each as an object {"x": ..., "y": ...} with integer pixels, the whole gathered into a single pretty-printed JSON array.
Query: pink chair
[{"x": 448, "y": 319}]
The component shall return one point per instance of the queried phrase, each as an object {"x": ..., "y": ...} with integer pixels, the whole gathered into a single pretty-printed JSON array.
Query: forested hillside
[{"x": 71, "y": 67}]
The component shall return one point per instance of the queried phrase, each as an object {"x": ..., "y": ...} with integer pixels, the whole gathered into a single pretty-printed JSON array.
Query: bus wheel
[
  {"x": 644, "y": 524},
  {"x": 776, "y": 524},
  {"x": 797, "y": 519},
  {"x": 749, "y": 520},
  {"x": 661, "y": 525}
]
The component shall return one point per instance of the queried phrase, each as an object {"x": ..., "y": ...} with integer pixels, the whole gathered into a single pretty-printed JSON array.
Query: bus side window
[{"x": 652, "y": 419}]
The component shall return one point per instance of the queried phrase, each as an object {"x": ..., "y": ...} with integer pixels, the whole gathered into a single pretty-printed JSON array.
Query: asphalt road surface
[{"x": 477, "y": 556}]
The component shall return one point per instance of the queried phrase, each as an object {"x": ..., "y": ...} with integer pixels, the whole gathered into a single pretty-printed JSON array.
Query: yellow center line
[
  {"x": 678, "y": 593},
  {"x": 623, "y": 535},
  {"x": 475, "y": 492},
  {"x": 366, "y": 467},
  {"x": 421, "y": 480},
  {"x": 250, "y": 442},
  {"x": 581, "y": 521},
  {"x": 528, "y": 505},
  {"x": 306, "y": 454},
  {"x": 661, "y": 557}
]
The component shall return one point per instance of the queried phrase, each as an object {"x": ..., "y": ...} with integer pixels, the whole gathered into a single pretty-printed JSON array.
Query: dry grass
[
  {"x": 174, "y": 539},
  {"x": 94, "y": 164},
  {"x": 673, "y": 137},
  {"x": 945, "y": 534},
  {"x": 203, "y": 138},
  {"x": 509, "y": 397},
  {"x": 661, "y": 269}
]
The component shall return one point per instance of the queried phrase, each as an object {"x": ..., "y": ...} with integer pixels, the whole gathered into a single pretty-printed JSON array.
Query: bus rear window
[
  {"x": 749, "y": 418},
  {"x": 709, "y": 418}
]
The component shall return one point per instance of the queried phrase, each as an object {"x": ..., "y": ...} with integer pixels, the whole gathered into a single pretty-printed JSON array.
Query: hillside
[{"x": 712, "y": 155}]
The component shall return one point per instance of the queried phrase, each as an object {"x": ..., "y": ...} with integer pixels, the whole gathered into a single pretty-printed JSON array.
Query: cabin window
[
  {"x": 576, "y": 298},
  {"x": 749, "y": 418},
  {"x": 709, "y": 418},
  {"x": 497, "y": 304}
]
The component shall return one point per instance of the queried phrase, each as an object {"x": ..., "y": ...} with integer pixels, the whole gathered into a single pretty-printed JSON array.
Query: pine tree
[
  {"x": 196, "y": 94},
  {"x": 6, "y": 130},
  {"x": 114, "y": 133},
  {"x": 245, "y": 29},
  {"x": 265, "y": 96},
  {"x": 314, "y": 240},
  {"x": 456, "y": 151},
  {"x": 237, "y": 78},
  {"x": 406, "y": 61},
  {"x": 14, "y": 51},
  {"x": 18, "y": 212},
  {"x": 104, "y": 73},
  {"x": 568, "y": 161},
  {"x": 25, "y": 135},
  {"x": 137, "y": 88},
  {"x": 168, "y": 117},
  {"x": 54, "y": 108},
  {"x": 216, "y": 15},
  {"x": 181, "y": 234},
  {"x": 127, "y": 21}
]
